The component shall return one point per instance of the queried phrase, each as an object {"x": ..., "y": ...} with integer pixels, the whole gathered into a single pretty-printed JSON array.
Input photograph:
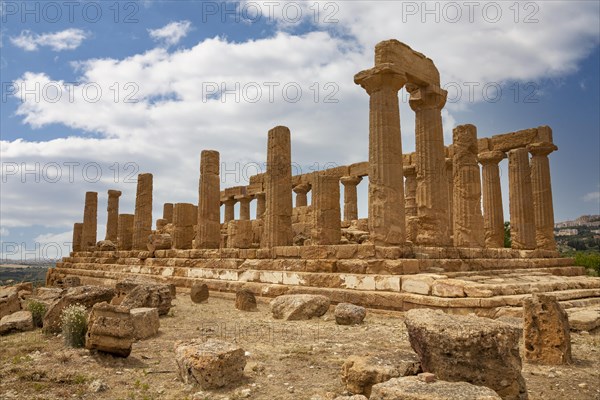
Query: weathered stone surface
[
  {"x": 19, "y": 321},
  {"x": 211, "y": 364},
  {"x": 294, "y": 307},
  {"x": 142, "y": 220},
  {"x": 245, "y": 300},
  {"x": 239, "y": 234},
  {"x": 199, "y": 292},
  {"x": 90, "y": 221},
  {"x": 149, "y": 295},
  {"x": 522, "y": 223},
  {"x": 350, "y": 197},
  {"x": 541, "y": 187},
  {"x": 468, "y": 348},
  {"x": 493, "y": 214},
  {"x": 106, "y": 245},
  {"x": 326, "y": 227},
  {"x": 110, "y": 330},
  {"x": 125, "y": 231},
  {"x": 412, "y": 388},
  {"x": 355, "y": 397},
  {"x": 85, "y": 295},
  {"x": 546, "y": 331},
  {"x": 125, "y": 286},
  {"x": 184, "y": 218},
  {"x": 159, "y": 241},
  {"x": 9, "y": 301},
  {"x": 112, "y": 215},
  {"x": 67, "y": 282},
  {"x": 585, "y": 319},
  {"x": 145, "y": 322},
  {"x": 360, "y": 373},
  {"x": 349, "y": 314},
  {"x": 208, "y": 234}
]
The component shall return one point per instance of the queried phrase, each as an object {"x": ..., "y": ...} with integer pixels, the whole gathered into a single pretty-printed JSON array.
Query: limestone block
[
  {"x": 360, "y": 373},
  {"x": 159, "y": 241},
  {"x": 149, "y": 295},
  {"x": 299, "y": 306},
  {"x": 9, "y": 301},
  {"x": 419, "y": 284},
  {"x": 239, "y": 234},
  {"x": 546, "y": 331},
  {"x": 110, "y": 330},
  {"x": 448, "y": 288},
  {"x": 245, "y": 300},
  {"x": 199, "y": 292},
  {"x": 483, "y": 351},
  {"x": 19, "y": 321},
  {"x": 349, "y": 314},
  {"x": 412, "y": 388},
  {"x": 145, "y": 322},
  {"x": 211, "y": 364},
  {"x": 586, "y": 319},
  {"x": 67, "y": 282}
]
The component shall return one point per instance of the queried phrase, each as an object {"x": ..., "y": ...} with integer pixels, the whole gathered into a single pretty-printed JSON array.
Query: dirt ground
[{"x": 286, "y": 360}]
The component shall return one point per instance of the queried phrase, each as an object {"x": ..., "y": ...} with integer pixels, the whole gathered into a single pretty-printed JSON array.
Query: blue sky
[{"x": 161, "y": 66}]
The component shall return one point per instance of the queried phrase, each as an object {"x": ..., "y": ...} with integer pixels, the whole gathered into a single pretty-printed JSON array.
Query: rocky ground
[{"x": 286, "y": 360}]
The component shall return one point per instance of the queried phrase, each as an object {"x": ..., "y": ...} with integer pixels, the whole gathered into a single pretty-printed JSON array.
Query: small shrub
[
  {"x": 590, "y": 260},
  {"x": 38, "y": 310},
  {"x": 74, "y": 325}
]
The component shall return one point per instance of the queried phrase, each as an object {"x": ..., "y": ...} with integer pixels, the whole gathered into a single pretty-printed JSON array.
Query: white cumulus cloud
[
  {"x": 592, "y": 196},
  {"x": 171, "y": 33},
  {"x": 69, "y": 39}
]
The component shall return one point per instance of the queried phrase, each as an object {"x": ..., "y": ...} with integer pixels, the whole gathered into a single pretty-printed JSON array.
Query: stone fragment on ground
[
  {"x": 295, "y": 307},
  {"x": 199, "y": 292},
  {"x": 546, "y": 332},
  {"x": 145, "y": 322},
  {"x": 412, "y": 388},
  {"x": 86, "y": 296},
  {"x": 478, "y": 350},
  {"x": 149, "y": 295},
  {"x": 349, "y": 314},
  {"x": 245, "y": 300},
  {"x": 110, "y": 330},
  {"x": 211, "y": 364},
  {"x": 584, "y": 319},
  {"x": 360, "y": 373},
  {"x": 19, "y": 321},
  {"x": 9, "y": 301}
]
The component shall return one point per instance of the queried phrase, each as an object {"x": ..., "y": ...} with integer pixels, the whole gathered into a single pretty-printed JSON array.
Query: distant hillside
[{"x": 584, "y": 220}]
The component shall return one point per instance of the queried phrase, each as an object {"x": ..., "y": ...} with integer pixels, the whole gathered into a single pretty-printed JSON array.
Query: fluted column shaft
[
  {"x": 168, "y": 213},
  {"x": 208, "y": 234},
  {"x": 468, "y": 221},
  {"x": 410, "y": 204},
  {"x": 184, "y": 219},
  {"x": 229, "y": 209},
  {"x": 541, "y": 186},
  {"x": 386, "y": 183},
  {"x": 432, "y": 189},
  {"x": 326, "y": 210},
  {"x": 77, "y": 229},
  {"x": 244, "y": 207},
  {"x": 278, "y": 180},
  {"x": 142, "y": 221},
  {"x": 112, "y": 220},
  {"x": 350, "y": 197},
  {"x": 522, "y": 224},
  {"x": 301, "y": 190},
  {"x": 450, "y": 180},
  {"x": 493, "y": 213},
  {"x": 125, "y": 232},
  {"x": 90, "y": 221},
  {"x": 261, "y": 203}
]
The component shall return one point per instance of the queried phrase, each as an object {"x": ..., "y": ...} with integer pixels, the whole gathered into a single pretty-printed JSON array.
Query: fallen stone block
[
  {"x": 293, "y": 307},
  {"x": 145, "y": 322},
  {"x": 546, "y": 331},
  {"x": 412, "y": 388},
  {"x": 149, "y": 295},
  {"x": 360, "y": 373},
  {"x": 67, "y": 282},
  {"x": 199, "y": 292},
  {"x": 245, "y": 300},
  {"x": 349, "y": 314},
  {"x": 110, "y": 330},
  {"x": 584, "y": 319},
  {"x": 9, "y": 301},
  {"x": 468, "y": 348},
  {"x": 19, "y": 321},
  {"x": 211, "y": 364}
]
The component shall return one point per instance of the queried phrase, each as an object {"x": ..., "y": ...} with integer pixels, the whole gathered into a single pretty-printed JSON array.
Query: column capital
[
  {"x": 410, "y": 170},
  {"x": 242, "y": 198},
  {"x": 228, "y": 200},
  {"x": 381, "y": 76},
  {"x": 541, "y": 148},
  {"x": 302, "y": 188},
  {"x": 351, "y": 180},
  {"x": 114, "y": 193},
  {"x": 426, "y": 97},
  {"x": 491, "y": 157}
]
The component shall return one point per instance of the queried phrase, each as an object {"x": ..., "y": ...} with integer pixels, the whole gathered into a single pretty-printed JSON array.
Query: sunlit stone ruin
[{"x": 434, "y": 236}]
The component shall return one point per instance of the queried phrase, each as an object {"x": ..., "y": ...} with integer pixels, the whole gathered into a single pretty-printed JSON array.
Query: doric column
[
  {"x": 543, "y": 210},
  {"x": 90, "y": 220},
  {"x": 208, "y": 235},
  {"x": 261, "y": 204},
  {"x": 184, "y": 219},
  {"x": 278, "y": 183},
  {"x": 386, "y": 183},
  {"x": 493, "y": 214},
  {"x": 112, "y": 219},
  {"x": 450, "y": 180},
  {"x": 410, "y": 204},
  {"x": 350, "y": 197},
  {"x": 468, "y": 220},
  {"x": 432, "y": 189},
  {"x": 229, "y": 203},
  {"x": 77, "y": 229},
  {"x": 301, "y": 190},
  {"x": 168, "y": 213},
  {"x": 520, "y": 195},
  {"x": 244, "y": 207},
  {"x": 142, "y": 221},
  {"x": 125, "y": 232},
  {"x": 326, "y": 210}
]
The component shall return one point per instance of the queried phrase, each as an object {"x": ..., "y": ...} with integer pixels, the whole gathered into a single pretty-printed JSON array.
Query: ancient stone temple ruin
[{"x": 434, "y": 236}]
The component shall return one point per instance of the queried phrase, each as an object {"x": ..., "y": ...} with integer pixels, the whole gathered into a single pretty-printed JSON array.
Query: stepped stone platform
[{"x": 489, "y": 282}]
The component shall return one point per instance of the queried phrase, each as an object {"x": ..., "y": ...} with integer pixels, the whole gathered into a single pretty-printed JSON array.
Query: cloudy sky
[{"x": 95, "y": 92}]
